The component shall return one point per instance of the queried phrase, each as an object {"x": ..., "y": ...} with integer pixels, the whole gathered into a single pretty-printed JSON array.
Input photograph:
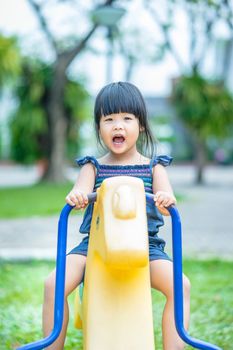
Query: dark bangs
[{"x": 119, "y": 97}]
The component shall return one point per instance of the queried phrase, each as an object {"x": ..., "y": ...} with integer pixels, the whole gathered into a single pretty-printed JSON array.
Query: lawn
[
  {"x": 21, "y": 294},
  {"x": 40, "y": 200}
]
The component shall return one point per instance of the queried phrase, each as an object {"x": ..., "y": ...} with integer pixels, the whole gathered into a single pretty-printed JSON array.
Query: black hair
[{"x": 124, "y": 97}]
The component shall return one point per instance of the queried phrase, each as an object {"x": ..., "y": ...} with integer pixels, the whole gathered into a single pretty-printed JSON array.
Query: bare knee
[
  {"x": 49, "y": 286},
  {"x": 169, "y": 292},
  {"x": 186, "y": 287}
]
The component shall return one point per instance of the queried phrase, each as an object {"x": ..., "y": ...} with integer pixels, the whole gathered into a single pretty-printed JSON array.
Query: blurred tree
[
  {"x": 10, "y": 65},
  {"x": 30, "y": 118},
  {"x": 65, "y": 51},
  {"x": 10, "y": 60},
  {"x": 206, "y": 108},
  {"x": 135, "y": 47},
  {"x": 203, "y": 18}
]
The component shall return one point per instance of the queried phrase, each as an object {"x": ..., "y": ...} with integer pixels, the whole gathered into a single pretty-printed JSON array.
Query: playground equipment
[
  {"x": 117, "y": 306},
  {"x": 116, "y": 312}
]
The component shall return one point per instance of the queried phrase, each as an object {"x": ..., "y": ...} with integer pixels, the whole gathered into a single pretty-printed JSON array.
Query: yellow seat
[{"x": 116, "y": 311}]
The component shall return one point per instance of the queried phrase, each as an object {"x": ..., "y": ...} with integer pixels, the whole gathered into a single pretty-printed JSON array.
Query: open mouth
[{"x": 118, "y": 140}]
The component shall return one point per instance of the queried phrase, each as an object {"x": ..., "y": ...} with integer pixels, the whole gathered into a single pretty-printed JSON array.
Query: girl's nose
[{"x": 118, "y": 126}]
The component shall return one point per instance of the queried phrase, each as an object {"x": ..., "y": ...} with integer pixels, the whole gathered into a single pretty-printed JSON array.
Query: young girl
[{"x": 122, "y": 126}]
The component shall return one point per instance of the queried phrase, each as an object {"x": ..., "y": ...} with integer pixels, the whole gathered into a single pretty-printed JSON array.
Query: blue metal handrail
[
  {"x": 59, "y": 285},
  {"x": 178, "y": 282},
  {"x": 60, "y": 281}
]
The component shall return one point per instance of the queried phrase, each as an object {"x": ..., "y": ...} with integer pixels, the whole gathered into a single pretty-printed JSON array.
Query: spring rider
[{"x": 116, "y": 308}]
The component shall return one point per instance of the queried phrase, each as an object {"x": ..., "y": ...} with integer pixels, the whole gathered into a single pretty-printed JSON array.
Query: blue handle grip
[{"x": 60, "y": 280}]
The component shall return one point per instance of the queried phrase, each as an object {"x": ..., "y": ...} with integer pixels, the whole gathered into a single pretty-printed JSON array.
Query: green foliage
[
  {"x": 77, "y": 106},
  {"x": 21, "y": 297},
  {"x": 10, "y": 61},
  {"x": 162, "y": 129},
  {"x": 27, "y": 129},
  {"x": 29, "y": 122},
  {"x": 1, "y": 153},
  {"x": 205, "y": 106}
]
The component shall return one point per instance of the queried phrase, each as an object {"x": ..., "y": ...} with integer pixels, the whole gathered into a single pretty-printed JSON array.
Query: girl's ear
[{"x": 141, "y": 128}]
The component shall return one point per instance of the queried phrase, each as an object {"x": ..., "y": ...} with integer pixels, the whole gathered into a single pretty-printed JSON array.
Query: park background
[{"x": 54, "y": 57}]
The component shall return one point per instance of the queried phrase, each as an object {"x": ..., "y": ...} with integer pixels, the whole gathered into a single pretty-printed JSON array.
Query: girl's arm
[
  {"x": 83, "y": 186},
  {"x": 162, "y": 189}
]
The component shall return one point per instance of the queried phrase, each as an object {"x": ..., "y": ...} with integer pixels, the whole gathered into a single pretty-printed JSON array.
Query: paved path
[{"x": 206, "y": 214}]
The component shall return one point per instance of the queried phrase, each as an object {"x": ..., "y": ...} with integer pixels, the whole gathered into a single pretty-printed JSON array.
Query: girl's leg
[
  {"x": 161, "y": 272},
  {"x": 75, "y": 265}
]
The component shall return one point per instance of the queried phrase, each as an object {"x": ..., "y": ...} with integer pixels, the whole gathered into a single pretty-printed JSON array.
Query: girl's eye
[
  {"x": 108, "y": 119},
  {"x": 128, "y": 118}
]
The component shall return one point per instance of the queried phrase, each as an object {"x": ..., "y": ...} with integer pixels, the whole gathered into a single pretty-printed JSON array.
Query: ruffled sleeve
[
  {"x": 88, "y": 159},
  {"x": 163, "y": 160}
]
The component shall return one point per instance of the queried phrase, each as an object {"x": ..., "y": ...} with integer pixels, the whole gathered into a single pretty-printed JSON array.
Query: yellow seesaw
[{"x": 116, "y": 310}]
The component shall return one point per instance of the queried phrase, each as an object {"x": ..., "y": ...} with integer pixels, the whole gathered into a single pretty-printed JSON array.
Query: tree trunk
[
  {"x": 200, "y": 160},
  {"x": 57, "y": 125},
  {"x": 57, "y": 122}
]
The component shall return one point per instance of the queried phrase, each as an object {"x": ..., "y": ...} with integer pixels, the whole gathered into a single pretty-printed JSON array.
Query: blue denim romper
[{"x": 154, "y": 218}]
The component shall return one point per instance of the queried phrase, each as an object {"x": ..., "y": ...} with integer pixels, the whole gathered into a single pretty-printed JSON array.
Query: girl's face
[{"x": 119, "y": 132}]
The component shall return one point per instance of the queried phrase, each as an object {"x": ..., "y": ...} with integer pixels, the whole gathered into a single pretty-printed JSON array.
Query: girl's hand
[
  {"x": 163, "y": 200},
  {"x": 77, "y": 199}
]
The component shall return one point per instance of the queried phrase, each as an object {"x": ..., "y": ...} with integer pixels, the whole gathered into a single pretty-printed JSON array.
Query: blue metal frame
[
  {"x": 60, "y": 281},
  {"x": 60, "y": 284},
  {"x": 178, "y": 285}
]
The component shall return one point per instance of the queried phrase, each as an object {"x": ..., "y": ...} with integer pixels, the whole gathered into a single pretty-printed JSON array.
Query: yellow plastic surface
[
  {"x": 78, "y": 310},
  {"x": 116, "y": 312}
]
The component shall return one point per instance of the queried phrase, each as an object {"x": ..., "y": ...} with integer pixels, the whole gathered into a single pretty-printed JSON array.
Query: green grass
[
  {"x": 21, "y": 294},
  {"x": 37, "y": 200}
]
